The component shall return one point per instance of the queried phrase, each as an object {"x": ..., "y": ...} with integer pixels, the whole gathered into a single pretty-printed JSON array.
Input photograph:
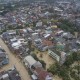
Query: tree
[
  {"x": 19, "y": 27},
  {"x": 34, "y": 24},
  {"x": 61, "y": 71},
  {"x": 67, "y": 25},
  {"x": 53, "y": 68},
  {"x": 69, "y": 60},
  {"x": 34, "y": 56},
  {"x": 74, "y": 54},
  {"x": 29, "y": 45},
  {"x": 74, "y": 72},
  {"x": 43, "y": 63}
]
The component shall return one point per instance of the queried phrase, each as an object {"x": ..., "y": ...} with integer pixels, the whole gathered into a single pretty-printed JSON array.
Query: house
[
  {"x": 35, "y": 35},
  {"x": 22, "y": 51},
  {"x": 37, "y": 42},
  {"x": 48, "y": 30},
  {"x": 13, "y": 40},
  {"x": 54, "y": 54},
  {"x": 58, "y": 11},
  {"x": 2, "y": 27},
  {"x": 29, "y": 61},
  {"x": 42, "y": 74},
  {"x": 8, "y": 35},
  {"x": 3, "y": 57},
  {"x": 59, "y": 56},
  {"x": 67, "y": 35},
  {"x": 38, "y": 73},
  {"x": 47, "y": 42},
  {"x": 46, "y": 35},
  {"x": 38, "y": 24},
  {"x": 16, "y": 45},
  {"x": 5, "y": 36},
  {"x": 42, "y": 47},
  {"x": 11, "y": 74},
  {"x": 14, "y": 75}
]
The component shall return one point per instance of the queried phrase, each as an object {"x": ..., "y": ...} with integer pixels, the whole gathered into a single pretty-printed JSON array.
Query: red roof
[
  {"x": 47, "y": 42},
  {"x": 42, "y": 74}
]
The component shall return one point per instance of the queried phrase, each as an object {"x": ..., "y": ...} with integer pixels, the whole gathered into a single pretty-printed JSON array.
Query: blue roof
[{"x": 5, "y": 61}]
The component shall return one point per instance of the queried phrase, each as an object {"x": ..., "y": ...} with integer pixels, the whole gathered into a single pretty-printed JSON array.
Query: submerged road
[{"x": 14, "y": 61}]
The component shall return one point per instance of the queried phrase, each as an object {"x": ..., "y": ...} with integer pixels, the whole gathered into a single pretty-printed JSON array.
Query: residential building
[
  {"x": 11, "y": 74},
  {"x": 59, "y": 56},
  {"x": 3, "y": 57}
]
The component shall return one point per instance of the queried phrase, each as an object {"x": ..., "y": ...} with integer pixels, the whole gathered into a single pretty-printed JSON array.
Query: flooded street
[{"x": 14, "y": 61}]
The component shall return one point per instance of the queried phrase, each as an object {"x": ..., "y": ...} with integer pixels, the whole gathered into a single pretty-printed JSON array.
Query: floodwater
[
  {"x": 46, "y": 58},
  {"x": 13, "y": 60}
]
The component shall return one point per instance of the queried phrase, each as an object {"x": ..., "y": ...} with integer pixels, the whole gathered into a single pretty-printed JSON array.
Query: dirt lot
[{"x": 13, "y": 60}]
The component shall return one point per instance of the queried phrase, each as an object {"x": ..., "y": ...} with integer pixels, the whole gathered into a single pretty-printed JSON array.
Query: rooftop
[
  {"x": 42, "y": 74},
  {"x": 30, "y": 60}
]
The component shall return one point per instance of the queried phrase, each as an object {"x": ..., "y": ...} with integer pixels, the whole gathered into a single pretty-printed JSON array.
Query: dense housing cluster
[{"x": 32, "y": 31}]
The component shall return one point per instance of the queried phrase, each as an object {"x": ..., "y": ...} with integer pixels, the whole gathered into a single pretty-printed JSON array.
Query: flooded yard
[
  {"x": 48, "y": 60},
  {"x": 45, "y": 57}
]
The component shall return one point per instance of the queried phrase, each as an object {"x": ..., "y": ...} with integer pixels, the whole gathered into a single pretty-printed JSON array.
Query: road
[{"x": 14, "y": 61}]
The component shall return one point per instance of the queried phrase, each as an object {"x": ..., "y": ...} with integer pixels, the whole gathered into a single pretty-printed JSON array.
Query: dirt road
[{"x": 14, "y": 61}]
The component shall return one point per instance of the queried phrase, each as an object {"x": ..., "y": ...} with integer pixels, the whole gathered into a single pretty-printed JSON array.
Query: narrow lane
[{"x": 14, "y": 61}]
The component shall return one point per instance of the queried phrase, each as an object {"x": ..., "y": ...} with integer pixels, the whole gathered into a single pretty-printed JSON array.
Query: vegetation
[
  {"x": 75, "y": 72},
  {"x": 29, "y": 45},
  {"x": 53, "y": 68},
  {"x": 29, "y": 72},
  {"x": 66, "y": 70},
  {"x": 61, "y": 71},
  {"x": 69, "y": 61},
  {"x": 41, "y": 61},
  {"x": 2, "y": 31},
  {"x": 66, "y": 25},
  {"x": 11, "y": 27},
  {"x": 34, "y": 56},
  {"x": 34, "y": 24},
  {"x": 75, "y": 56}
]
